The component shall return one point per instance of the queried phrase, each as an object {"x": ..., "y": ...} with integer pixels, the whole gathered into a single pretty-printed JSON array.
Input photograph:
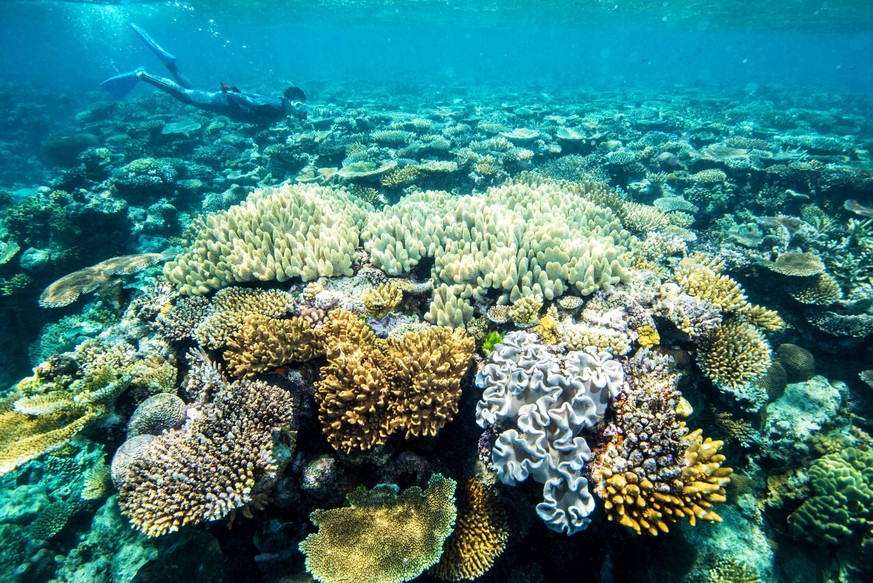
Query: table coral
[{"x": 382, "y": 536}]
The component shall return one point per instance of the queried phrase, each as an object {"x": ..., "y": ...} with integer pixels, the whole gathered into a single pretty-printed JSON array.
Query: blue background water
[{"x": 70, "y": 47}]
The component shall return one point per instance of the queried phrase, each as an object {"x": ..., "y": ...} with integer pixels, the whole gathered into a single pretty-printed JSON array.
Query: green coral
[
  {"x": 492, "y": 340},
  {"x": 382, "y": 536},
  {"x": 842, "y": 503}
]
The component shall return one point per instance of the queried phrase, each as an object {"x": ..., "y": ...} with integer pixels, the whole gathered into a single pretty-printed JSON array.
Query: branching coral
[
  {"x": 734, "y": 355},
  {"x": 372, "y": 388},
  {"x": 231, "y": 308},
  {"x": 215, "y": 464},
  {"x": 479, "y": 536},
  {"x": 278, "y": 233},
  {"x": 382, "y": 536},
  {"x": 263, "y": 343},
  {"x": 820, "y": 290},
  {"x": 382, "y": 299},
  {"x": 652, "y": 471}
]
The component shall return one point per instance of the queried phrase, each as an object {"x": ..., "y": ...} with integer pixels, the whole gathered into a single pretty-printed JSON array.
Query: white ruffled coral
[{"x": 550, "y": 400}]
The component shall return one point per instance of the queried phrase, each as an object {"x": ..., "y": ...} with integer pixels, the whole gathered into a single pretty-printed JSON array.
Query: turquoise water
[{"x": 519, "y": 291}]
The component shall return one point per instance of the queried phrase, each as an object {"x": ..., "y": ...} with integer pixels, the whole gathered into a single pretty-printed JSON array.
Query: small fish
[{"x": 856, "y": 207}]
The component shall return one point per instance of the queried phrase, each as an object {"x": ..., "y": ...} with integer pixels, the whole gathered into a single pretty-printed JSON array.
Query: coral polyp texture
[
  {"x": 216, "y": 463},
  {"x": 734, "y": 355},
  {"x": 382, "y": 536},
  {"x": 541, "y": 404},
  {"x": 372, "y": 388},
  {"x": 263, "y": 343},
  {"x": 653, "y": 472},
  {"x": 479, "y": 537},
  {"x": 841, "y": 504},
  {"x": 301, "y": 231}
]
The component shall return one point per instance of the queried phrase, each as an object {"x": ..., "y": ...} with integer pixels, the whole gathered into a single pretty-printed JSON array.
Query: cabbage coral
[{"x": 382, "y": 536}]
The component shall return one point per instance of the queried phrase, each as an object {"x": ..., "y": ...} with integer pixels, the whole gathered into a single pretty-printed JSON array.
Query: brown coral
[
  {"x": 212, "y": 466},
  {"x": 265, "y": 343},
  {"x": 372, "y": 388},
  {"x": 705, "y": 283},
  {"x": 479, "y": 538},
  {"x": 821, "y": 290},
  {"x": 67, "y": 289},
  {"x": 232, "y": 307},
  {"x": 796, "y": 264},
  {"x": 799, "y": 363}
]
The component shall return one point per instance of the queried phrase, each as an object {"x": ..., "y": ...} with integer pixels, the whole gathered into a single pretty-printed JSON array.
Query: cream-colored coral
[
  {"x": 524, "y": 311},
  {"x": 299, "y": 230}
]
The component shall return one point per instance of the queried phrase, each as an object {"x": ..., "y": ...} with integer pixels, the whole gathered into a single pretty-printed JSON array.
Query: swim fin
[
  {"x": 166, "y": 58},
  {"x": 120, "y": 85}
]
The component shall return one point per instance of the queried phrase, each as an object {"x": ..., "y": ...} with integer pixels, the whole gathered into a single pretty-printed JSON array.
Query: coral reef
[
  {"x": 547, "y": 402},
  {"x": 218, "y": 462},
  {"x": 371, "y": 388},
  {"x": 383, "y": 536},
  {"x": 479, "y": 536}
]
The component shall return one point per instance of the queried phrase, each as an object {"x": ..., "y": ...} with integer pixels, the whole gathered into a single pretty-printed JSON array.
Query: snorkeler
[{"x": 230, "y": 101}]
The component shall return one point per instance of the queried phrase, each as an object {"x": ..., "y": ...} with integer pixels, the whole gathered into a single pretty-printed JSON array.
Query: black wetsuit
[{"x": 247, "y": 107}]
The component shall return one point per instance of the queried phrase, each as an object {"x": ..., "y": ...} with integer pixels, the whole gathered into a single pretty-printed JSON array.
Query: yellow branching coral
[
  {"x": 547, "y": 329},
  {"x": 372, "y": 388},
  {"x": 67, "y": 289},
  {"x": 265, "y": 343},
  {"x": 382, "y": 299},
  {"x": 734, "y": 355},
  {"x": 634, "y": 502},
  {"x": 232, "y": 307},
  {"x": 298, "y": 230},
  {"x": 646, "y": 488},
  {"x": 382, "y": 536},
  {"x": 704, "y": 283},
  {"x": 732, "y": 571},
  {"x": 479, "y": 537},
  {"x": 524, "y": 311},
  {"x": 648, "y": 336},
  {"x": 762, "y": 318}
]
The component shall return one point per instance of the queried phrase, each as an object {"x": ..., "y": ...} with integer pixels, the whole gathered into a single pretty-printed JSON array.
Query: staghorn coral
[
  {"x": 67, "y": 289},
  {"x": 734, "y": 355},
  {"x": 382, "y": 536},
  {"x": 263, "y": 343},
  {"x": 842, "y": 500},
  {"x": 381, "y": 300},
  {"x": 216, "y": 463},
  {"x": 298, "y": 230},
  {"x": 652, "y": 471},
  {"x": 479, "y": 537},
  {"x": 372, "y": 388}
]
